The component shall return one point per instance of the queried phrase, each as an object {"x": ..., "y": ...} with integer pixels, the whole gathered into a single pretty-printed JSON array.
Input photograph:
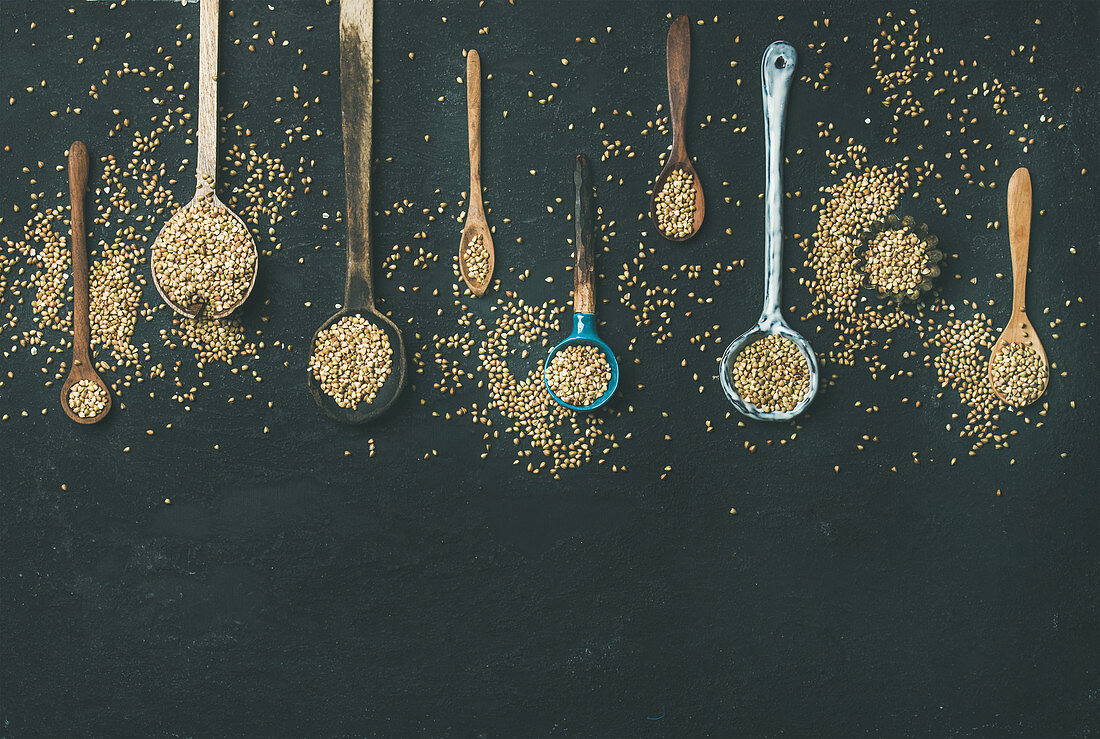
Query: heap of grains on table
[
  {"x": 204, "y": 256},
  {"x": 351, "y": 360},
  {"x": 87, "y": 398},
  {"x": 675, "y": 204},
  {"x": 579, "y": 374},
  {"x": 1018, "y": 373},
  {"x": 772, "y": 374}
]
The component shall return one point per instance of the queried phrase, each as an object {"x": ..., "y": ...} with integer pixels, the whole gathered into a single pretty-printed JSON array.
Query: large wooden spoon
[
  {"x": 356, "y": 98},
  {"x": 476, "y": 225},
  {"x": 1019, "y": 329},
  {"x": 82, "y": 330},
  {"x": 206, "y": 166},
  {"x": 679, "y": 65}
]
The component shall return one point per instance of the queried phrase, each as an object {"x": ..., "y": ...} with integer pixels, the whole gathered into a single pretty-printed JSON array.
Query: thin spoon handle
[
  {"x": 207, "y": 163},
  {"x": 1019, "y": 234},
  {"x": 776, "y": 72},
  {"x": 678, "y": 48},
  {"x": 78, "y": 182},
  {"x": 356, "y": 97},
  {"x": 473, "y": 126},
  {"x": 584, "y": 294}
]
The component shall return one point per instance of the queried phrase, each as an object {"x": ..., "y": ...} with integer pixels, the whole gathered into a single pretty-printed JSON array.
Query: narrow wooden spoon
[
  {"x": 1019, "y": 329},
  {"x": 206, "y": 166},
  {"x": 476, "y": 225},
  {"x": 356, "y": 98},
  {"x": 679, "y": 65},
  {"x": 82, "y": 330}
]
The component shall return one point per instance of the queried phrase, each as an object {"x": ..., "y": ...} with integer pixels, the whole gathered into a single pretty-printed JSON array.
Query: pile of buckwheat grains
[
  {"x": 578, "y": 374},
  {"x": 675, "y": 204},
  {"x": 771, "y": 374},
  {"x": 351, "y": 360},
  {"x": 477, "y": 259},
  {"x": 87, "y": 399},
  {"x": 1018, "y": 373},
  {"x": 204, "y": 255}
]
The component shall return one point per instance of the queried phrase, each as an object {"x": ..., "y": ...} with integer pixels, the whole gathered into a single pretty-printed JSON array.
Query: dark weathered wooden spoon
[
  {"x": 206, "y": 164},
  {"x": 476, "y": 224},
  {"x": 679, "y": 65},
  {"x": 356, "y": 96},
  {"x": 82, "y": 330}
]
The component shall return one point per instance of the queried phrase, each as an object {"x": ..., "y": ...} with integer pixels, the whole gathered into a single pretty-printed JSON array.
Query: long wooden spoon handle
[
  {"x": 584, "y": 294},
  {"x": 678, "y": 47},
  {"x": 207, "y": 164},
  {"x": 78, "y": 182},
  {"x": 1019, "y": 234},
  {"x": 356, "y": 100},
  {"x": 473, "y": 125}
]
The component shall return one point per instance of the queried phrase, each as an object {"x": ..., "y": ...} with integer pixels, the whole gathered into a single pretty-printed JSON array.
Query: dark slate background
[{"x": 290, "y": 590}]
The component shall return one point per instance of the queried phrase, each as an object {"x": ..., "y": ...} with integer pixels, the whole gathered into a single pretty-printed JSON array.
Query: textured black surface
[{"x": 292, "y": 590}]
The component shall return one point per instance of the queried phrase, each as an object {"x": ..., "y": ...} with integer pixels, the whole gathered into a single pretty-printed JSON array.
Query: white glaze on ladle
[{"x": 776, "y": 73}]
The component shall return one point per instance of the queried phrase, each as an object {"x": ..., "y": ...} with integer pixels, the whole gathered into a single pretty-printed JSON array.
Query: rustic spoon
[
  {"x": 206, "y": 165},
  {"x": 776, "y": 72},
  {"x": 679, "y": 65},
  {"x": 356, "y": 97},
  {"x": 584, "y": 293},
  {"x": 476, "y": 225},
  {"x": 82, "y": 330},
  {"x": 1019, "y": 329}
]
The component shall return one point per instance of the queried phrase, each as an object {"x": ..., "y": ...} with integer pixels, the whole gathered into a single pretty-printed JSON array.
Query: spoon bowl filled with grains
[
  {"x": 476, "y": 255},
  {"x": 677, "y": 205},
  {"x": 581, "y": 373},
  {"x": 357, "y": 357},
  {"x": 770, "y": 372},
  {"x": 1018, "y": 366},
  {"x": 204, "y": 259},
  {"x": 84, "y": 396}
]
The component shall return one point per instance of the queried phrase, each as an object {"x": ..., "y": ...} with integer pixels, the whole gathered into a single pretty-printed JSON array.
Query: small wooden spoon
[
  {"x": 1019, "y": 329},
  {"x": 356, "y": 97},
  {"x": 679, "y": 65},
  {"x": 476, "y": 225},
  {"x": 206, "y": 166},
  {"x": 82, "y": 330}
]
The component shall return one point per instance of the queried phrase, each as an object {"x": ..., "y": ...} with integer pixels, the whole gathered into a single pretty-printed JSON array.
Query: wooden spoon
[
  {"x": 1019, "y": 329},
  {"x": 206, "y": 166},
  {"x": 679, "y": 65},
  {"x": 82, "y": 330},
  {"x": 356, "y": 97},
  {"x": 476, "y": 225}
]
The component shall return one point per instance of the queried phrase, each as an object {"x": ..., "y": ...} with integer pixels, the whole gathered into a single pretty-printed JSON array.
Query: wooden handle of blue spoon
[
  {"x": 584, "y": 295},
  {"x": 356, "y": 98}
]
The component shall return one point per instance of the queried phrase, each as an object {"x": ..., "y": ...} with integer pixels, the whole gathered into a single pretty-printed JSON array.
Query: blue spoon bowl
[{"x": 584, "y": 332}]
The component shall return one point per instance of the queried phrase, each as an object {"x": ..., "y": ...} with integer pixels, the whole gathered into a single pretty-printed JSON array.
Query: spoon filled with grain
[
  {"x": 677, "y": 204},
  {"x": 84, "y": 396},
  {"x": 357, "y": 357},
  {"x": 1018, "y": 367},
  {"x": 770, "y": 372},
  {"x": 204, "y": 258},
  {"x": 581, "y": 373},
  {"x": 476, "y": 256}
]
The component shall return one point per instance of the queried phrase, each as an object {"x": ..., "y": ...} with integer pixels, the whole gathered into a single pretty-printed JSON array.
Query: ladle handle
[
  {"x": 206, "y": 165},
  {"x": 1019, "y": 234},
  {"x": 78, "y": 182},
  {"x": 473, "y": 126},
  {"x": 356, "y": 98},
  {"x": 584, "y": 294},
  {"x": 776, "y": 73},
  {"x": 678, "y": 50}
]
